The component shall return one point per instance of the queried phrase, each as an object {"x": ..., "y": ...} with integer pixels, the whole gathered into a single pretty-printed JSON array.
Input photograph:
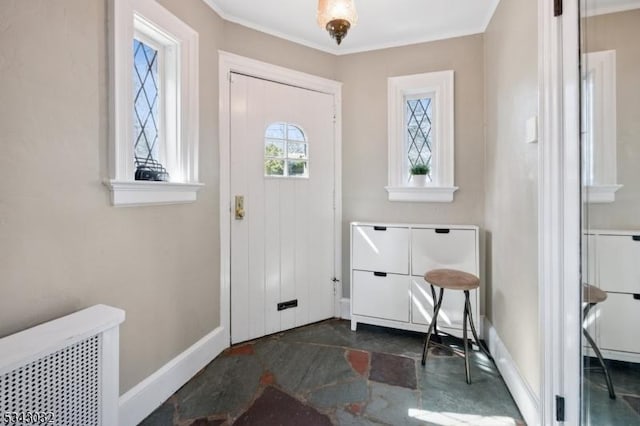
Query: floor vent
[{"x": 64, "y": 372}]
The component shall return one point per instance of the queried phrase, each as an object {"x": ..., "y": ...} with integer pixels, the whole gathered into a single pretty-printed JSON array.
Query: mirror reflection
[{"x": 610, "y": 39}]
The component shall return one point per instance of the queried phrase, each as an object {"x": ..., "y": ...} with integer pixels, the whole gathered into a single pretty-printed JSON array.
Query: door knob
[{"x": 239, "y": 207}]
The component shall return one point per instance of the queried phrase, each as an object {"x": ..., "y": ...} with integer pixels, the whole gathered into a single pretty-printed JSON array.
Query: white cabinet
[
  {"x": 381, "y": 248},
  {"x": 433, "y": 248},
  {"x": 614, "y": 266},
  {"x": 380, "y": 295},
  {"x": 618, "y": 323},
  {"x": 388, "y": 262}
]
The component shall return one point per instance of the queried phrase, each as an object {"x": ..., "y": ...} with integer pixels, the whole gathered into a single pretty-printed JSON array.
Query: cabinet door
[
  {"x": 443, "y": 248},
  {"x": 619, "y": 262},
  {"x": 380, "y": 248},
  {"x": 618, "y": 323},
  {"x": 451, "y": 311},
  {"x": 384, "y": 297}
]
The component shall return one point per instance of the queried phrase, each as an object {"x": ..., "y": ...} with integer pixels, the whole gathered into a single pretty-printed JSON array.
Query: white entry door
[{"x": 282, "y": 229}]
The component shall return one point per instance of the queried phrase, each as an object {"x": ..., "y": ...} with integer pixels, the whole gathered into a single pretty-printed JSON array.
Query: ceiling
[
  {"x": 382, "y": 23},
  {"x": 600, "y": 7}
]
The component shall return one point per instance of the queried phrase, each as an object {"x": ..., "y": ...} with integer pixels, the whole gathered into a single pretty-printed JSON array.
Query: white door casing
[{"x": 324, "y": 306}]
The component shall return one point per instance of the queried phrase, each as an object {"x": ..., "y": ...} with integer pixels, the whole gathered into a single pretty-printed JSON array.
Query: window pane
[
  {"x": 145, "y": 108},
  {"x": 294, "y": 133},
  {"x": 419, "y": 116},
  {"x": 274, "y": 167},
  {"x": 297, "y": 168},
  {"x": 286, "y": 151},
  {"x": 297, "y": 150},
  {"x": 274, "y": 148},
  {"x": 276, "y": 131}
]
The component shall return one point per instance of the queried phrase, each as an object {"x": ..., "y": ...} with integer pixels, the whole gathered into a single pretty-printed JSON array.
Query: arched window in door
[{"x": 286, "y": 151}]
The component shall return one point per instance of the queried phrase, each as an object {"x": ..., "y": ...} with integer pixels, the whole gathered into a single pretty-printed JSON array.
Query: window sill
[
  {"x": 599, "y": 194},
  {"x": 425, "y": 194},
  {"x": 143, "y": 193}
]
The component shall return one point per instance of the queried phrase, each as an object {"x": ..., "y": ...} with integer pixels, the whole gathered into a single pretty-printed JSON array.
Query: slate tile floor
[
  {"x": 598, "y": 408},
  {"x": 325, "y": 374}
]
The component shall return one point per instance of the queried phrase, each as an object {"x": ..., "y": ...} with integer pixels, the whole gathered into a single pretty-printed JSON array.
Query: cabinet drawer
[
  {"x": 452, "y": 309},
  {"x": 434, "y": 248},
  {"x": 619, "y": 262},
  {"x": 383, "y": 249},
  {"x": 618, "y": 323},
  {"x": 381, "y": 296}
]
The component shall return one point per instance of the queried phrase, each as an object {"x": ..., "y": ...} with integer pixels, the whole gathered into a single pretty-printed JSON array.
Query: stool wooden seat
[
  {"x": 452, "y": 279},
  {"x": 591, "y": 296}
]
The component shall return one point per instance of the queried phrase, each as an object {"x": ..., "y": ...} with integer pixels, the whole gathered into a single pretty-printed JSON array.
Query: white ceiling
[
  {"x": 601, "y": 7},
  {"x": 382, "y": 23}
]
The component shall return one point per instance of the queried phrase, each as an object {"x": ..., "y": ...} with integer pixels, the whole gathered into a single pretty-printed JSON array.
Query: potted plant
[{"x": 419, "y": 174}]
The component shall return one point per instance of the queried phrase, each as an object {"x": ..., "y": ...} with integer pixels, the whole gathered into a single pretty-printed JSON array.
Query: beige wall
[
  {"x": 62, "y": 246},
  {"x": 263, "y": 47},
  {"x": 620, "y": 32},
  {"x": 364, "y": 141},
  {"x": 512, "y": 182}
]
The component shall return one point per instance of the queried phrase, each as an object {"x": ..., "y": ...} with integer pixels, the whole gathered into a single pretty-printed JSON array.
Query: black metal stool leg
[
  {"x": 431, "y": 327},
  {"x": 435, "y": 319},
  {"x": 473, "y": 327},
  {"x": 607, "y": 376},
  {"x": 467, "y": 370}
]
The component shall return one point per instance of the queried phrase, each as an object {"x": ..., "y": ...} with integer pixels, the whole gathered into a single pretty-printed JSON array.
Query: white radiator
[{"x": 63, "y": 372}]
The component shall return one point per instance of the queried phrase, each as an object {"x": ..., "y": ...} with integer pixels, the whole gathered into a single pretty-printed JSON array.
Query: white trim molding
[
  {"x": 559, "y": 195},
  {"x": 596, "y": 194},
  {"x": 178, "y": 107},
  {"x": 439, "y": 87},
  {"x": 524, "y": 396},
  {"x": 434, "y": 194},
  {"x": 140, "y": 401},
  {"x": 143, "y": 193},
  {"x": 228, "y": 63}
]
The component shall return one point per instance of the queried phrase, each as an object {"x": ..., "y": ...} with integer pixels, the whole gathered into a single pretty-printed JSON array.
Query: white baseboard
[
  {"x": 522, "y": 393},
  {"x": 146, "y": 396},
  {"x": 345, "y": 308}
]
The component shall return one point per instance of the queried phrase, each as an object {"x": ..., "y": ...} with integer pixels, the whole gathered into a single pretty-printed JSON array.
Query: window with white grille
[
  {"x": 421, "y": 137},
  {"x": 155, "y": 102},
  {"x": 286, "y": 151}
]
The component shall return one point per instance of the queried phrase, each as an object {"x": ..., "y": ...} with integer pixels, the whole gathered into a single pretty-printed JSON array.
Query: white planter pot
[{"x": 418, "y": 180}]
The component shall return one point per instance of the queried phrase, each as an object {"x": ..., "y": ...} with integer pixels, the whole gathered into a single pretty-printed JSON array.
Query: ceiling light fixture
[{"x": 337, "y": 16}]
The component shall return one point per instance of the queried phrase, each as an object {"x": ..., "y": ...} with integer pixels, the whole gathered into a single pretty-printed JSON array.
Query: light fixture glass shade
[{"x": 332, "y": 10}]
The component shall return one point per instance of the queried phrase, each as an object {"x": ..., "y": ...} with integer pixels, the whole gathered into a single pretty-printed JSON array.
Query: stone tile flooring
[
  {"x": 598, "y": 408},
  {"x": 325, "y": 374}
]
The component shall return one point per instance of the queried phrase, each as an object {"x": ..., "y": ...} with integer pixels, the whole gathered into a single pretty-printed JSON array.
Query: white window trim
[
  {"x": 601, "y": 177},
  {"x": 180, "y": 152},
  {"x": 441, "y": 86}
]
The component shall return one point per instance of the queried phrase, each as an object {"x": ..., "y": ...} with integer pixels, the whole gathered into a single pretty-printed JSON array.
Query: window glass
[
  {"x": 419, "y": 115},
  {"x": 286, "y": 151},
  {"x": 146, "y": 115}
]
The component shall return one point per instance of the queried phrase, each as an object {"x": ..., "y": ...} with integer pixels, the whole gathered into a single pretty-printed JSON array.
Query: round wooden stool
[
  {"x": 452, "y": 279},
  {"x": 591, "y": 296}
]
